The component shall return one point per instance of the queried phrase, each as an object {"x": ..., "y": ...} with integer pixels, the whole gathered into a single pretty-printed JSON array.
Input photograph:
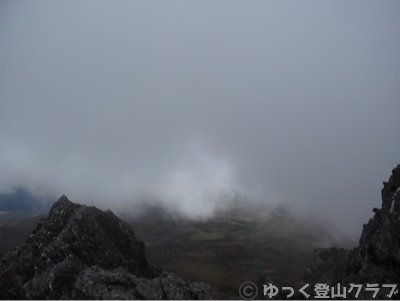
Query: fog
[{"x": 190, "y": 103}]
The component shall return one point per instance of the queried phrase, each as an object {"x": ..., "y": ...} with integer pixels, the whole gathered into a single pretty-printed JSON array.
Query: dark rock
[
  {"x": 81, "y": 252},
  {"x": 375, "y": 260},
  {"x": 98, "y": 283}
]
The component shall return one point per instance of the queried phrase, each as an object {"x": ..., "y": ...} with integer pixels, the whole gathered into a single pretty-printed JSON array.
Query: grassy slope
[
  {"x": 13, "y": 232},
  {"x": 226, "y": 253}
]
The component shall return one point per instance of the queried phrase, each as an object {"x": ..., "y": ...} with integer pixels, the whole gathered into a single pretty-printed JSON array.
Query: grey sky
[{"x": 293, "y": 102}]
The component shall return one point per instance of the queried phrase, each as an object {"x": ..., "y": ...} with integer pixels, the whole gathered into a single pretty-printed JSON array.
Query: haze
[{"x": 192, "y": 102}]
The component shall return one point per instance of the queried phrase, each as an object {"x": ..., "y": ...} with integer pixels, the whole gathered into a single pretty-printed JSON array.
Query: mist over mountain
[
  {"x": 22, "y": 200},
  {"x": 80, "y": 252},
  {"x": 187, "y": 104}
]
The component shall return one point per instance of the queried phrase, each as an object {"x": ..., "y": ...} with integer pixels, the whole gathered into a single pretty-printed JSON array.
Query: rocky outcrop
[
  {"x": 81, "y": 252},
  {"x": 375, "y": 260}
]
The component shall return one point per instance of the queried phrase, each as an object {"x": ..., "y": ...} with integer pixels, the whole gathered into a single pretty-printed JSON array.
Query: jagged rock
[
  {"x": 380, "y": 239},
  {"x": 375, "y": 260},
  {"x": 81, "y": 252},
  {"x": 98, "y": 283}
]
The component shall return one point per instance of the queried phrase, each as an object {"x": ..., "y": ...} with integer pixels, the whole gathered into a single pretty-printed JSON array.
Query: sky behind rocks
[{"x": 190, "y": 101}]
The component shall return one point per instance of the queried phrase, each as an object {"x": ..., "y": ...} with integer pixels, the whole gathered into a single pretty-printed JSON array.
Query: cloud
[
  {"x": 199, "y": 184},
  {"x": 190, "y": 101}
]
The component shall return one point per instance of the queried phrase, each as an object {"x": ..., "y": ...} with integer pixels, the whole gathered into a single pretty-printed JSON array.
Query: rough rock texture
[
  {"x": 81, "y": 252},
  {"x": 375, "y": 260}
]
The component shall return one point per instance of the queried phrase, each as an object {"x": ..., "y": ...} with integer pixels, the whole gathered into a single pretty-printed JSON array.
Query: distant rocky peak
[{"x": 64, "y": 204}]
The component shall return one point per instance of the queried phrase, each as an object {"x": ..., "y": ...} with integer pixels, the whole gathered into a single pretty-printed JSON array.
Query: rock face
[
  {"x": 81, "y": 252},
  {"x": 375, "y": 260}
]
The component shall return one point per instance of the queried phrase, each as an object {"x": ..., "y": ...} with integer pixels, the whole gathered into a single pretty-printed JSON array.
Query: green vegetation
[{"x": 226, "y": 253}]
